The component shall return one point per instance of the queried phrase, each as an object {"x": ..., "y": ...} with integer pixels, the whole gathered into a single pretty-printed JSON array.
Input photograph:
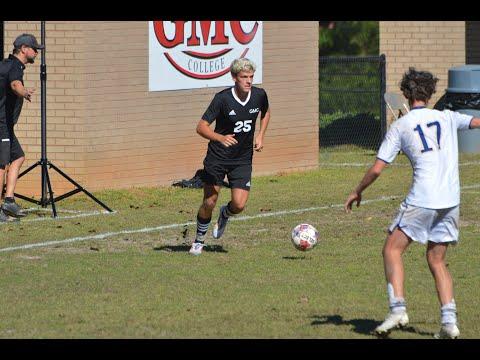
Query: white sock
[
  {"x": 396, "y": 304},
  {"x": 449, "y": 313},
  {"x": 226, "y": 211},
  {"x": 202, "y": 228}
]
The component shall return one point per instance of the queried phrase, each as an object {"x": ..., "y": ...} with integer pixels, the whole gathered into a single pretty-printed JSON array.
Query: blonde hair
[{"x": 242, "y": 64}]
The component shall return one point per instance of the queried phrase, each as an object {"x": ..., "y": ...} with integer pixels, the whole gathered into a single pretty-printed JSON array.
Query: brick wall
[
  {"x": 108, "y": 131},
  {"x": 435, "y": 46}
]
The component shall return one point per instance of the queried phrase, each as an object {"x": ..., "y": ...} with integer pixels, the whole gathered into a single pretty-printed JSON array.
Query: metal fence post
[
  {"x": 383, "y": 89},
  {"x": 2, "y": 39}
]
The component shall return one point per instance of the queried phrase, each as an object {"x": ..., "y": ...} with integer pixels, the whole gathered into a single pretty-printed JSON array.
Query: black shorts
[
  {"x": 10, "y": 149},
  {"x": 239, "y": 176}
]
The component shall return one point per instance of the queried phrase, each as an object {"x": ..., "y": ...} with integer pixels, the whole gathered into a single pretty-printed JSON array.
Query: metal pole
[
  {"x": 383, "y": 89},
  {"x": 2, "y": 39},
  {"x": 43, "y": 81}
]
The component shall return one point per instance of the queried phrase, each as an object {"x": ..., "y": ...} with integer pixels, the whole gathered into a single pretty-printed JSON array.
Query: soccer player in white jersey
[{"x": 430, "y": 212}]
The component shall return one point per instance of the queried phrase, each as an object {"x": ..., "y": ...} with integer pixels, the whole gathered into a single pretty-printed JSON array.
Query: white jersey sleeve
[
  {"x": 391, "y": 145},
  {"x": 462, "y": 121}
]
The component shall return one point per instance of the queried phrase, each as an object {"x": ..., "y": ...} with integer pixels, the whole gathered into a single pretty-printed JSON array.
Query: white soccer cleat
[
  {"x": 448, "y": 331},
  {"x": 196, "y": 248},
  {"x": 392, "y": 321}
]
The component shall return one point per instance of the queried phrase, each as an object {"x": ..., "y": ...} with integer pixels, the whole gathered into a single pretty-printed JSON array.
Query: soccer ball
[{"x": 304, "y": 237}]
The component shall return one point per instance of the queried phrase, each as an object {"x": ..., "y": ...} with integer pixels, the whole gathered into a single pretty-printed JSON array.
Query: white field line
[
  {"x": 466, "y": 187},
  {"x": 58, "y": 211},
  {"x": 170, "y": 226},
  {"x": 394, "y": 164},
  {"x": 470, "y": 163},
  {"x": 92, "y": 213},
  {"x": 326, "y": 164},
  {"x": 83, "y": 214}
]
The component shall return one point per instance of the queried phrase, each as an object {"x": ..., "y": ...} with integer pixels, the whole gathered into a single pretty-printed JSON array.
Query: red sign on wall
[{"x": 196, "y": 54}]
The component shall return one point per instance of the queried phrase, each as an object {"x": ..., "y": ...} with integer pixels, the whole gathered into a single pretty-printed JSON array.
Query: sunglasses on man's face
[{"x": 34, "y": 49}]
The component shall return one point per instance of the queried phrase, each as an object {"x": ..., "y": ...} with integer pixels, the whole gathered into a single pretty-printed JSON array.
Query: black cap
[{"x": 28, "y": 40}]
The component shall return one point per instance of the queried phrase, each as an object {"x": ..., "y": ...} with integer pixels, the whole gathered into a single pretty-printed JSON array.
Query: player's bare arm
[
  {"x": 205, "y": 131},
  {"x": 19, "y": 90},
  {"x": 261, "y": 133},
  {"x": 371, "y": 175},
  {"x": 475, "y": 123}
]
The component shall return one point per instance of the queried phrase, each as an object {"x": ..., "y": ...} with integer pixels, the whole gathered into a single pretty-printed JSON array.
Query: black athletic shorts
[
  {"x": 239, "y": 176},
  {"x": 10, "y": 149}
]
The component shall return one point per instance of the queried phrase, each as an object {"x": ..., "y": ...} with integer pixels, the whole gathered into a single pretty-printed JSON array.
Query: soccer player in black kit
[{"x": 230, "y": 150}]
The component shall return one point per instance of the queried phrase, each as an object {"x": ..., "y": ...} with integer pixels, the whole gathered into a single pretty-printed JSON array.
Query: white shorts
[{"x": 423, "y": 225}]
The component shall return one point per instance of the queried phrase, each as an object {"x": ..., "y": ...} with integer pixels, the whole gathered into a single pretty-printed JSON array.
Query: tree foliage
[{"x": 359, "y": 38}]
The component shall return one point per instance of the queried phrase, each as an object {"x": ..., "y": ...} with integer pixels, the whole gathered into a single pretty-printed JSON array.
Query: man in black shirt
[
  {"x": 12, "y": 93},
  {"x": 230, "y": 150}
]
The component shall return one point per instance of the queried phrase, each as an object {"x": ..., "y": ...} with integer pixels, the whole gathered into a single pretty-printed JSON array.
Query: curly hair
[{"x": 418, "y": 85}]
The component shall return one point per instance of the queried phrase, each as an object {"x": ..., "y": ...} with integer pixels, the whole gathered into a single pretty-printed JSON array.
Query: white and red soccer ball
[{"x": 304, "y": 237}]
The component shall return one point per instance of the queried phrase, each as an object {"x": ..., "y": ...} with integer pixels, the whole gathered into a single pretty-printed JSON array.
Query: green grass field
[{"x": 251, "y": 283}]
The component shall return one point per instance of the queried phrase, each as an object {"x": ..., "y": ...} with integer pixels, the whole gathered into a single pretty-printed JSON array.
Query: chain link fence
[{"x": 351, "y": 106}]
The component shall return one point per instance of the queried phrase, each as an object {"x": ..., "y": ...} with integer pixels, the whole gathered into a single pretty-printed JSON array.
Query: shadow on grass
[
  {"x": 186, "y": 248},
  {"x": 301, "y": 257},
  {"x": 361, "y": 326}
]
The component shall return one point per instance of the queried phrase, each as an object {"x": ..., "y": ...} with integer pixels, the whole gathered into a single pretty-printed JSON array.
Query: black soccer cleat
[
  {"x": 221, "y": 224},
  {"x": 13, "y": 209}
]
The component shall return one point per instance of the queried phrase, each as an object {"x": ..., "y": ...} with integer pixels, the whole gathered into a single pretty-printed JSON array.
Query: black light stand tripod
[{"x": 44, "y": 163}]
